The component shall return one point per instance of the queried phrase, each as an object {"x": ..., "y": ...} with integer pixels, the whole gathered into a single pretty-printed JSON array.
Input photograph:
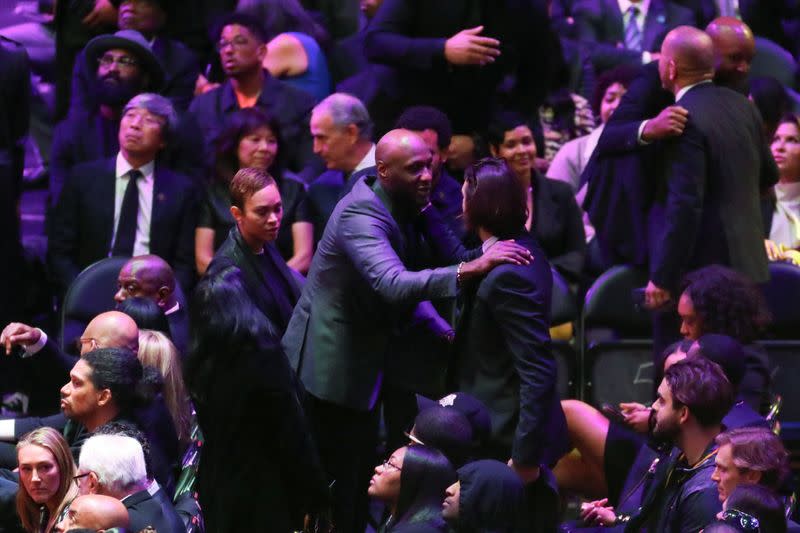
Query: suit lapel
[
  {"x": 284, "y": 270},
  {"x": 615, "y": 22},
  {"x": 161, "y": 206},
  {"x": 654, "y": 24},
  {"x": 105, "y": 186}
]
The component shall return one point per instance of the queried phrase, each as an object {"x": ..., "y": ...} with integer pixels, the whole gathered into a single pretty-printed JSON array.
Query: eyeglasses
[
  {"x": 739, "y": 518},
  {"x": 122, "y": 61},
  {"x": 237, "y": 43},
  {"x": 389, "y": 464},
  {"x": 79, "y": 476}
]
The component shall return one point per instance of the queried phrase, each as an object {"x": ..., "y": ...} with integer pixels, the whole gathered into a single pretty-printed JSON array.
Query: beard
[
  {"x": 116, "y": 93},
  {"x": 665, "y": 431}
]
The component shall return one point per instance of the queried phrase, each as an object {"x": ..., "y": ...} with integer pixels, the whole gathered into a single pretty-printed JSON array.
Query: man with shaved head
[
  {"x": 95, "y": 512},
  {"x": 359, "y": 288},
  {"x": 149, "y": 276},
  {"x": 734, "y": 49},
  {"x": 706, "y": 209}
]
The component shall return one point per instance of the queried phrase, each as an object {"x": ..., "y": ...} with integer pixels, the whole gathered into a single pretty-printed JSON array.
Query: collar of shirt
[
  {"x": 787, "y": 193},
  {"x": 686, "y": 89},
  {"x": 644, "y": 7},
  {"x": 123, "y": 167},
  {"x": 368, "y": 161},
  {"x": 172, "y": 309},
  {"x": 488, "y": 243}
]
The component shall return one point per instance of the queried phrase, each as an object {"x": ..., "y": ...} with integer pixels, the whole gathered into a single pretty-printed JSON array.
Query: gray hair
[
  {"x": 346, "y": 109},
  {"x": 118, "y": 462},
  {"x": 159, "y": 106}
]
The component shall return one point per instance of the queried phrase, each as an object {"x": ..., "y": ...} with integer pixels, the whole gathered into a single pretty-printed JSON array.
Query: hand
[
  {"x": 774, "y": 251},
  {"x": 669, "y": 123},
  {"x": 597, "y": 514},
  {"x": 103, "y": 14},
  {"x": 654, "y": 296},
  {"x": 638, "y": 420},
  {"x": 630, "y": 407},
  {"x": 17, "y": 334},
  {"x": 467, "y": 47},
  {"x": 528, "y": 474},
  {"x": 202, "y": 85}
]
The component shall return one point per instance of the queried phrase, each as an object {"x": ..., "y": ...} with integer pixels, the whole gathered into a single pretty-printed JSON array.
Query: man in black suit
[
  {"x": 342, "y": 132},
  {"x": 242, "y": 47},
  {"x": 626, "y": 31},
  {"x": 503, "y": 353},
  {"x": 129, "y": 205},
  {"x": 114, "y": 465},
  {"x": 707, "y": 206},
  {"x": 358, "y": 290},
  {"x": 149, "y": 276},
  {"x": 250, "y": 246},
  {"x": 180, "y": 64}
]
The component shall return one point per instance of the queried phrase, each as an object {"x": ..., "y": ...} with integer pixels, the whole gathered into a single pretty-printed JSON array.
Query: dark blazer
[
  {"x": 181, "y": 68},
  {"x": 262, "y": 289},
  {"x": 620, "y": 172},
  {"x": 179, "y": 329},
  {"x": 291, "y": 107},
  {"x": 357, "y": 290},
  {"x": 600, "y": 24},
  {"x": 144, "y": 510},
  {"x": 504, "y": 358},
  {"x": 707, "y": 208},
  {"x": 325, "y": 192},
  {"x": 558, "y": 225},
  {"x": 83, "y": 221}
]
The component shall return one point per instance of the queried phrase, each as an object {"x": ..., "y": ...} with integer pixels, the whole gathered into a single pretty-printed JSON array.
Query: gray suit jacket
[{"x": 357, "y": 290}]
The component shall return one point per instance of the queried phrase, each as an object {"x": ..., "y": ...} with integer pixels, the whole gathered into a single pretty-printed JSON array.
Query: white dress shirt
[
  {"x": 785, "y": 228},
  {"x": 368, "y": 161},
  {"x": 141, "y": 245}
]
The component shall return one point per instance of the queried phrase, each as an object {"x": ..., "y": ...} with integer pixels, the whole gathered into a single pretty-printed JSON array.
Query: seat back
[
  {"x": 609, "y": 303},
  {"x": 90, "y": 294},
  {"x": 564, "y": 309},
  {"x": 563, "y": 306},
  {"x": 784, "y": 358},
  {"x": 784, "y": 280},
  {"x": 619, "y": 371}
]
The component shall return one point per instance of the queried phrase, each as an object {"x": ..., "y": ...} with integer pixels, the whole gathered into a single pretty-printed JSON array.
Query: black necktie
[{"x": 126, "y": 228}]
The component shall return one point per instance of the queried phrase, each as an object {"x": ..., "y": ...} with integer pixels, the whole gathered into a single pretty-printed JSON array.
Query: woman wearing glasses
[
  {"x": 46, "y": 487},
  {"x": 412, "y": 484}
]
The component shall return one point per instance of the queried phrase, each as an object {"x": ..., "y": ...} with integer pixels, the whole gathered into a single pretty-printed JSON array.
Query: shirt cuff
[
  {"x": 7, "y": 430},
  {"x": 647, "y": 57},
  {"x": 35, "y": 348},
  {"x": 639, "y": 138}
]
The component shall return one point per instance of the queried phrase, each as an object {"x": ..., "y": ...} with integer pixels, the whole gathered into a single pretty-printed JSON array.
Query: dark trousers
[
  {"x": 666, "y": 331},
  {"x": 399, "y": 412},
  {"x": 346, "y": 439}
]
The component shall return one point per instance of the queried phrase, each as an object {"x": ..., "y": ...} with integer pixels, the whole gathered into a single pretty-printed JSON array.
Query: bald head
[
  {"x": 147, "y": 276},
  {"x": 110, "y": 330},
  {"x": 734, "y": 49},
  {"x": 404, "y": 167},
  {"x": 687, "y": 57},
  {"x": 95, "y": 512}
]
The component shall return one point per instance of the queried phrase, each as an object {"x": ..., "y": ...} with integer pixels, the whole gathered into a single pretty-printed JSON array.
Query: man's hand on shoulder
[
  {"x": 669, "y": 123},
  {"x": 528, "y": 474},
  {"x": 467, "y": 47},
  {"x": 18, "y": 334},
  {"x": 502, "y": 252}
]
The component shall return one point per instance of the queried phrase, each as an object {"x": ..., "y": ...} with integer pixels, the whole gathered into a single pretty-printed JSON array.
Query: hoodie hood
[{"x": 492, "y": 497}]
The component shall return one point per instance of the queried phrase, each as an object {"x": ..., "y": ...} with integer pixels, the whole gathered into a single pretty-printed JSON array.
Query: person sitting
[
  {"x": 475, "y": 411},
  {"x": 553, "y": 216},
  {"x": 412, "y": 483},
  {"x": 151, "y": 277},
  {"x": 180, "y": 64},
  {"x": 46, "y": 487},
  {"x": 488, "y": 496},
  {"x": 145, "y": 313},
  {"x": 114, "y": 465},
  {"x": 94, "y": 512},
  {"x": 252, "y": 139},
  {"x": 257, "y": 209},
  {"x": 781, "y": 207},
  {"x": 241, "y": 43},
  {"x": 750, "y": 455},
  {"x": 128, "y": 205},
  {"x": 752, "y": 507},
  {"x": 157, "y": 351},
  {"x": 447, "y": 430}
]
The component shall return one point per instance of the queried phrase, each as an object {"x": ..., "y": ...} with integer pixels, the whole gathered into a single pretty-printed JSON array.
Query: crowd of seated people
[{"x": 328, "y": 212}]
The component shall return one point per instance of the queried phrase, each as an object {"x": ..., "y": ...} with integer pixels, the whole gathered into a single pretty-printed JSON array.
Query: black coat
[
  {"x": 83, "y": 221},
  {"x": 707, "y": 206},
  {"x": 503, "y": 358},
  {"x": 262, "y": 288},
  {"x": 145, "y": 510}
]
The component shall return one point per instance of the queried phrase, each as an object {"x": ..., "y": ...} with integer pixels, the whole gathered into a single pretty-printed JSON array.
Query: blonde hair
[
  {"x": 157, "y": 351},
  {"x": 51, "y": 440}
]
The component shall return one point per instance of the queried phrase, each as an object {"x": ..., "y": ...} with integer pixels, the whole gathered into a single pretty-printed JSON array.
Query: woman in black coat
[{"x": 259, "y": 470}]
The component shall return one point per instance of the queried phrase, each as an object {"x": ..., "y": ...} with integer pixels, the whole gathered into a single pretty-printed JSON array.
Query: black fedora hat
[{"x": 134, "y": 42}]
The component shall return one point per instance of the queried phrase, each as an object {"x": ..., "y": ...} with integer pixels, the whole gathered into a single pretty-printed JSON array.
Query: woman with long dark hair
[
  {"x": 258, "y": 467},
  {"x": 252, "y": 139},
  {"x": 412, "y": 483}
]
